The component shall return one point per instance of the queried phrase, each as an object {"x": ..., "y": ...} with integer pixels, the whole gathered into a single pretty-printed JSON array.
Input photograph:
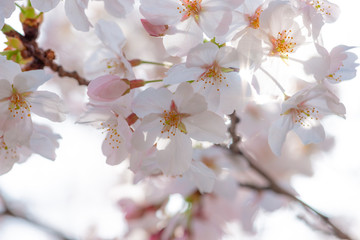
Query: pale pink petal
[
  {"x": 154, "y": 30},
  {"x": 29, "y": 81},
  {"x": 75, "y": 11},
  {"x": 107, "y": 88},
  {"x": 176, "y": 158},
  {"x": 44, "y": 5},
  {"x": 277, "y": 133},
  {"x": 152, "y": 101},
  {"x": 206, "y": 126},
  {"x": 48, "y": 105}
]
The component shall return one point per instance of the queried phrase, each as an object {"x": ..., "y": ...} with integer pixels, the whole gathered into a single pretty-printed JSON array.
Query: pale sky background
[{"x": 76, "y": 191}]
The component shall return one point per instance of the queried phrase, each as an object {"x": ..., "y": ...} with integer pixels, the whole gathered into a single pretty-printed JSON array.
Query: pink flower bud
[{"x": 108, "y": 88}]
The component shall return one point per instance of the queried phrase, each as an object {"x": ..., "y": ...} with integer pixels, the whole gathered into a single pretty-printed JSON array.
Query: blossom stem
[
  {"x": 274, "y": 80},
  {"x": 156, "y": 63},
  {"x": 153, "y": 81}
]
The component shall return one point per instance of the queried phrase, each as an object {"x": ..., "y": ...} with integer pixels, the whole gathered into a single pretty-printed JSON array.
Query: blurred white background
[{"x": 76, "y": 194}]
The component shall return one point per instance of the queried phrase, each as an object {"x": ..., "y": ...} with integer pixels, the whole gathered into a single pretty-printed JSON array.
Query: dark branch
[
  {"x": 8, "y": 211},
  {"x": 272, "y": 184},
  {"x": 43, "y": 58}
]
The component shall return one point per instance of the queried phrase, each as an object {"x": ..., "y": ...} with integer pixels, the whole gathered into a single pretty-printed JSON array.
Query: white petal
[
  {"x": 44, "y": 5},
  {"x": 313, "y": 134},
  {"x": 48, "y": 105},
  {"x": 188, "y": 102},
  {"x": 8, "y": 69},
  {"x": 115, "y": 152},
  {"x": 206, "y": 126},
  {"x": 278, "y": 132},
  {"x": 118, "y": 8},
  {"x": 161, "y": 12},
  {"x": 180, "y": 73},
  {"x": 111, "y": 35},
  {"x": 18, "y": 131},
  {"x": 5, "y": 89},
  {"x": 44, "y": 142},
  {"x": 30, "y": 81},
  {"x": 145, "y": 135},
  {"x": 202, "y": 176},
  {"x": 203, "y": 55},
  {"x": 152, "y": 101},
  {"x": 76, "y": 14},
  {"x": 175, "y": 159},
  {"x": 186, "y": 36}
]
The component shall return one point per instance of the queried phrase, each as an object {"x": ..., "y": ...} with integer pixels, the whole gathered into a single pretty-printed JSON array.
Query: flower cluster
[{"x": 260, "y": 61}]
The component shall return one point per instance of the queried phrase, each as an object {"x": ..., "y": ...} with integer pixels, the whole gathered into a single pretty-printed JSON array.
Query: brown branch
[
  {"x": 8, "y": 211},
  {"x": 272, "y": 184},
  {"x": 43, "y": 58}
]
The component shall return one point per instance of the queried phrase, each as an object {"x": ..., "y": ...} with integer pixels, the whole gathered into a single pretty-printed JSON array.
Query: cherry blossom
[
  {"x": 335, "y": 67},
  {"x": 301, "y": 113},
  {"x": 109, "y": 59},
  {"x": 19, "y": 98},
  {"x": 190, "y": 19},
  {"x": 213, "y": 71},
  {"x": 42, "y": 141},
  {"x": 176, "y": 117},
  {"x": 315, "y": 13}
]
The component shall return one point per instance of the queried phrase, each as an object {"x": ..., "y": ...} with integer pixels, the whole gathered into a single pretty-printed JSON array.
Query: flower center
[
  {"x": 304, "y": 115},
  {"x": 171, "y": 120},
  {"x": 113, "y": 137},
  {"x": 321, "y": 7},
  {"x": 214, "y": 76},
  {"x": 283, "y": 44},
  {"x": 254, "y": 20},
  {"x": 190, "y": 8},
  {"x": 7, "y": 152},
  {"x": 18, "y": 105}
]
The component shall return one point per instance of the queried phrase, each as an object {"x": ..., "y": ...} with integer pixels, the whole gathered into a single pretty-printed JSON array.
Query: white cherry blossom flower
[
  {"x": 315, "y": 13},
  {"x": 302, "y": 113},
  {"x": 191, "y": 18},
  {"x": 111, "y": 118},
  {"x": 42, "y": 141},
  {"x": 213, "y": 71},
  {"x": 170, "y": 121},
  {"x": 335, "y": 67},
  {"x": 19, "y": 98},
  {"x": 109, "y": 59}
]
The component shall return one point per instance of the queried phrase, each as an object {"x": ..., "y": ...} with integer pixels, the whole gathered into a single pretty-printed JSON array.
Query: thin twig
[
  {"x": 43, "y": 58},
  {"x": 272, "y": 184},
  {"x": 8, "y": 211}
]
